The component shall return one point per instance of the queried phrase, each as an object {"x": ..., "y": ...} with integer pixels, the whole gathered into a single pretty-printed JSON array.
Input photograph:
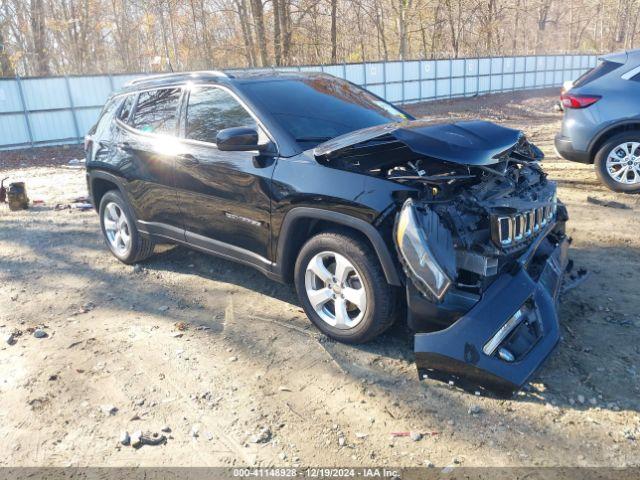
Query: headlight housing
[{"x": 424, "y": 249}]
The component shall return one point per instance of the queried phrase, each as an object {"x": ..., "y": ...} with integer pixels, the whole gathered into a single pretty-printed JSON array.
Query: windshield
[{"x": 316, "y": 109}]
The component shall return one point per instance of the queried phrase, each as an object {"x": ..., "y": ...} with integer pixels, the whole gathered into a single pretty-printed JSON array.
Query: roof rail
[{"x": 145, "y": 78}]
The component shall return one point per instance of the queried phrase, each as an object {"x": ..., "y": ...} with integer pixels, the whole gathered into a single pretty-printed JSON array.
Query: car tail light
[{"x": 570, "y": 100}]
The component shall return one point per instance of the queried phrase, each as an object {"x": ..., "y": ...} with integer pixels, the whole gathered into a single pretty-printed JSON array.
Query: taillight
[{"x": 570, "y": 100}]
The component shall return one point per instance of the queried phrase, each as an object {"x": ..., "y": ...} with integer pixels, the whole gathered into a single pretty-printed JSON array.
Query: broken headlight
[{"x": 425, "y": 247}]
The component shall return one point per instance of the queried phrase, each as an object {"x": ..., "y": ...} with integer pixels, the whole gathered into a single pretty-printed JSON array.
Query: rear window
[
  {"x": 157, "y": 111},
  {"x": 595, "y": 73}
]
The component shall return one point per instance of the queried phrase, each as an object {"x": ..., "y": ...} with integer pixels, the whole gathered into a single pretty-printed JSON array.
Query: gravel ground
[{"x": 226, "y": 363}]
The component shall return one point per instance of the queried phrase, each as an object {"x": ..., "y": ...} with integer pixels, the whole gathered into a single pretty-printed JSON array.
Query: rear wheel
[
  {"x": 618, "y": 163},
  {"x": 342, "y": 288},
  {"x": 119, "y": 230}
]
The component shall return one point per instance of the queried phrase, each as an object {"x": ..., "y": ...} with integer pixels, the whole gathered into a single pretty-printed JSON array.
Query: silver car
[{"x": 601, "y": 122}]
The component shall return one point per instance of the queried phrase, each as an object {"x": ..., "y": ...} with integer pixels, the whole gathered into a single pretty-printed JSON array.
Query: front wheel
[
  {"x": 119, "y": 230},
  {"x": 618, "y": 163},
  {"x": 342, "y": 288}
]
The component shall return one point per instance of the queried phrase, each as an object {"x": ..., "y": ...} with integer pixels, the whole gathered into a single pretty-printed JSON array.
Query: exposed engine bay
[
  {"x": 475, "y": 218},
  {"x": 479, "y": 232}
]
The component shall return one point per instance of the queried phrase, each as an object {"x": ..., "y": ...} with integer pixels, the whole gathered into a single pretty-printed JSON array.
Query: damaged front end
[
  {"x": 491, "y": 320},
  {"x": 480, "y": 235}
]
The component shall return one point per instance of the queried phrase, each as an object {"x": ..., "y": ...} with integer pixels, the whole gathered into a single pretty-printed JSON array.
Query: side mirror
[{"x": 238, "y": 139}]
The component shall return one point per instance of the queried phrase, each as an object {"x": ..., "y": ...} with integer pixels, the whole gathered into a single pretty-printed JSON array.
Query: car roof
[
  {"x": 228, "y": 77},
  {"x": 622, "y": 57}
]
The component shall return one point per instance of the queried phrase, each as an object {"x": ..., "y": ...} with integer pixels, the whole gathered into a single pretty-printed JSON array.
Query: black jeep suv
[{"x": 367, "y": 210}]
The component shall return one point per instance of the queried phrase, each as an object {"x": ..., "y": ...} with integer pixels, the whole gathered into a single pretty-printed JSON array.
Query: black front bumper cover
[{"x": 456, "y": 354}]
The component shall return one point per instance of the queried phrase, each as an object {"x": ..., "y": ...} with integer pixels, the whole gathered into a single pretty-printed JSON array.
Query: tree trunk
[
  {"x": 6, "y": 68},
  {"x": 39, "y": 38},
  {"x": 277, "y": 38},
  {"x": 334, "y": 31},
  {"x": 258, "y": 20}
]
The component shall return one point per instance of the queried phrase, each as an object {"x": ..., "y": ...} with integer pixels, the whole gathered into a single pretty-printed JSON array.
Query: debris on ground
[
  {"x": 17, "y": 196},
  {"x": 108, "y": 409},
  {"x": 125, "y": 439},
  {"x": 138, "y": 439},
  {"x": 181, "y": 326},
  {"x": 261, "y": 437},
  {"x": 195, "y": 431},
  {"x": 575, "y": 279},
  {"x": 474, "y": 410},
  {"x": 415, "y": 436},
  {"x": 608, "y": 203}
]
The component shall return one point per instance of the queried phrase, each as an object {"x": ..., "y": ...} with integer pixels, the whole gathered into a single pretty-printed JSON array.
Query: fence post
[
  {"x": 72, "y": 108},
  {"x": 384, "y": 80},
  {"x": 25, "y": 111},
  {"x": 420, "y": 67}
]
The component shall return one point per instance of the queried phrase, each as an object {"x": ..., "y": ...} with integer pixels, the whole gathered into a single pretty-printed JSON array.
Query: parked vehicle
[
  {"x": 601, "y": 122},
  {"x": 368, "y": 211}
]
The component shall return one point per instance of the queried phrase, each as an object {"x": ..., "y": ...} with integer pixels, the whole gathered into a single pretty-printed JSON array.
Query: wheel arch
[
  {"x": 101, "y": 182},
  {"x": 609, "y": 132},
  {"x": 301, "y": 223}
]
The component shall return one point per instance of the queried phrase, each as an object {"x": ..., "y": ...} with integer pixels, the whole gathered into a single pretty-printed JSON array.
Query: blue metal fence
[{"x": 59, "y": 110}]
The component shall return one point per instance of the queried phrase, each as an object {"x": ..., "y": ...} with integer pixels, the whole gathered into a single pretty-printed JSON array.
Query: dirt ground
[{"x": 225, "y": 358}]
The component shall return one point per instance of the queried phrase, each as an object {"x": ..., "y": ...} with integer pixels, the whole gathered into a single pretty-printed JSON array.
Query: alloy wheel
[
  {"x": 623, "y": 163},
  {"x": 117, "y": 229},
  {"x": 335, "y": 290}
]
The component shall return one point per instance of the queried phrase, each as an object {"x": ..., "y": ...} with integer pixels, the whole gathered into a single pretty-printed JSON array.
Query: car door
[
  {"x": 147, "y": 147},
  {"x": 224, "y": 196}
]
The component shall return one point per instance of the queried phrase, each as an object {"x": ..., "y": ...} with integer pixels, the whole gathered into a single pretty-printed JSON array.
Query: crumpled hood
[{"x": 466, "y": 142}]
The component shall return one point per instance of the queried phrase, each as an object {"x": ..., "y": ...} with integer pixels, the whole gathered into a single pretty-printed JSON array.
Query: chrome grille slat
[{"x": 509, "y": 230}]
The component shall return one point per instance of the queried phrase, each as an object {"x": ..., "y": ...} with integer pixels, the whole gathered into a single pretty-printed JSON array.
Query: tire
[
  {"x": 363, "y": 275},
  {"x": 608, "y": 150},
  {"x": 137, "y": 248}
]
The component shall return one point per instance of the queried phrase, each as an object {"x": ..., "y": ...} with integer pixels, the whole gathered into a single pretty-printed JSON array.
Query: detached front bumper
[{"x": 505, "y": 337}]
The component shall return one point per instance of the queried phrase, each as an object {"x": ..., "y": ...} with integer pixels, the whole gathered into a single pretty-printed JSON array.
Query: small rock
[
  {"x": 125, "y": 439},
  {"x": 282, "y": 456},
  {"x": 457, "y": 461},
  {"x": 208, "y": 436},
  {"x": 284, "y": 389},
  {"x": 428, "y": 464},
  {"x": 415, "y": 436},
  {"x": 10, "y": 339},
  {"x": 474, "y": 410},
  {"x": 137, "y": 268},
  {"x": 341, "y": 441},
  {"x": 39, "y": 333},
  {"x": 233, "y": 359},
  {"x": 580, "y": 398},
  {"x": 108, "y": 409},
  {"x": 166, "y": 429},
  {"x": 163, "y": 308},
  {"x": 361, "y": 435},
  {"x": 262, "y": 437},
  {"x": 195, "y": 431}
]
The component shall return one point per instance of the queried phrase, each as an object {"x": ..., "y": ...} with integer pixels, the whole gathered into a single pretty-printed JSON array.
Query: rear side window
[
  {"x": 156, "y": 111},
  {"x": 210, "y": 110},
  {"x": 595, "y": 73},
  {"x": 126, "y": 108}
]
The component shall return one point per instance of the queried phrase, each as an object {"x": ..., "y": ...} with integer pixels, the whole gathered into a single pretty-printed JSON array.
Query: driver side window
[{"x": 212, "y": 109}]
